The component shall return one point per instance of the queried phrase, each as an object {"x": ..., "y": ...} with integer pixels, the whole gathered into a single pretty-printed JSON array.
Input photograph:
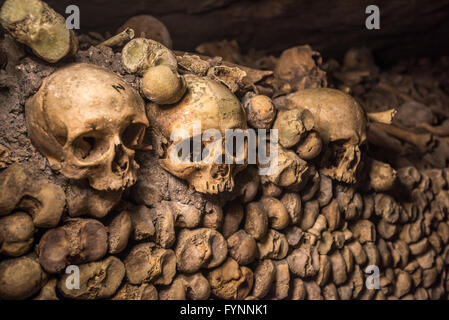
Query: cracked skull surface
[
  {"x": 88, "y": 122},
  {"x": 341, "y": 123},
  {"x": 212, "y": 106}
]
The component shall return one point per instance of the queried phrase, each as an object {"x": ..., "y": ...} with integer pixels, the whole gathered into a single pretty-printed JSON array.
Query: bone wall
[{"x": 362, "y": 186}]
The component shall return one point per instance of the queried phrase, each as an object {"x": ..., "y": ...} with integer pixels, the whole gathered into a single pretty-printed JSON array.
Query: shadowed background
[{"x": 409, "y": 28}]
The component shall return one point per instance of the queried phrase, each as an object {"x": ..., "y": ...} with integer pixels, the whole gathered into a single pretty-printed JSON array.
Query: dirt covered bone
[
  {"x": 230, "y": 74},
  {"x": 259, "y": 109},
  {"x": 269, "y": 189},
  {"x": 242, "y": 247},
  {"x": 281, "y": 284},
  {"x": 42, "y": 200},
  {"x": 98, "y": 280},
  {"x": 145, "y": 291},
  {"x": 291, "y": 171},
  {"x": 293, "y": 204},
  {"x": 341, "y": 123},
  {"x": 191, "y": 63},
  {"x": 247, "y": 184},
  {"x": 16, "y": 234},
  {"x": 5, "y": 153},
  {"x": 264, "y": 276},
  {"x": 146, "y": 26},
  {"x": 199, "y": 248},
  {"x": 48, "y": 291},
  {"x": 45, "y": 202},
  {"x": 20, "y": 278},
  {"x": 358, "y": 64},
  {"x": 256, "y": 220},
  {"x": 277, "y": 213},
  {"x": 87, "y": 122},
  {"x": 231, "y": 281},
  {"x": 304, "y": 261},
  {"x": 310, "y": 146},
  {"x": 186, "y": 207},
  {"x": 119, "y": 39},
  {"x": 233, "y": 216},
  {"x": 292, "y": 125},
  {"x": 119, "y": 232},
  {"x": 273, "y": 245},
  {"x": 141, "y": 54},
  {"x": 231, "y": 77},
  {"x": 84, "y": 200},
  {"x": 148, "y": 263},
  {"x": 298, "y": 68},
  {"x": 13, "y": 182},
  {"x": 38, "y": 26},
  {"x": 142, "y": 222},
  {"x": 382, "y": 176},
  {"x": 163, "y": 85},
  {"x": 210, "y": 105},
  {"x": 77, "y": 241},
  {"x": 194, "y": 287},
  {"x": 213, "y": 216},
  {"x": 161, "y": 82}
]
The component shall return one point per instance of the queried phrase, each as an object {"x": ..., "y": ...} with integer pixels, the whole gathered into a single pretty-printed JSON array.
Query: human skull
[
  {"x": 87, "y": 121},
  {"x": 341, "y": 123},
  {"x": 213, "y": 106},
  {"x": 299, "y": 68}
]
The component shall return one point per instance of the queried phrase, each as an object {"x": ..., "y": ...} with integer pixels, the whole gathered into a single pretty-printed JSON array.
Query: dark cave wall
[{"x": 408, "y": 27}]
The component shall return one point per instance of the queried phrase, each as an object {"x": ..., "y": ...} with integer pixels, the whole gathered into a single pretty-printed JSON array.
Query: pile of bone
[
  {"x": 326, "y": 223},
  {"x": 310, "y": 245},
  {"x": 417, "y": 90}
]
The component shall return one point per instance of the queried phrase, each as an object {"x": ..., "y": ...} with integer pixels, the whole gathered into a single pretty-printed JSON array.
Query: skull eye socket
[
  {"x": 132, "y": 136},
  {"x": 338, "y": 152},
  {"x": 89, "y": 147},
  {"x": 316, "y": 58},
  {"x": 187, "y": 152}
]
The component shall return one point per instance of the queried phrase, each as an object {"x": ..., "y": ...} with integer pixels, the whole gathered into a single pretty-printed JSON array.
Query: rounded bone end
[
  {"x": 163, "y": 85},
  {"x": 260, "y": 111},
  {"x": 382, "y": 176},
  {"x": 50, "y": 40},
  {"x": 20, "y": 278},
  {"x": 310, "y": 147},
  {"x": 16, "y": 234}
]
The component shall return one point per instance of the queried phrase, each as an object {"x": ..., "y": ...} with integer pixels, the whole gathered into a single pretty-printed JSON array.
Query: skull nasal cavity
[
  {"x": 120, "y": 162},
  {"x": 219, "y": 171}
]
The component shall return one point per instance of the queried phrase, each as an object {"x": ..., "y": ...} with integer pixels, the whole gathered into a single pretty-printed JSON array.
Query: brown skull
[
  {"x": 87, "y": 121},
  {"x": 213, "y": 106},
  {"x": 341, "y": 123}
]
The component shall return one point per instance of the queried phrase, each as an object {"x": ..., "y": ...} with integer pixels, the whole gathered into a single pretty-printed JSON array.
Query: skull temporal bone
[
  {"x": 341, "y": 123},
  {"x": 87, "y": 121},
  {"x": 213, "y": 106}
]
